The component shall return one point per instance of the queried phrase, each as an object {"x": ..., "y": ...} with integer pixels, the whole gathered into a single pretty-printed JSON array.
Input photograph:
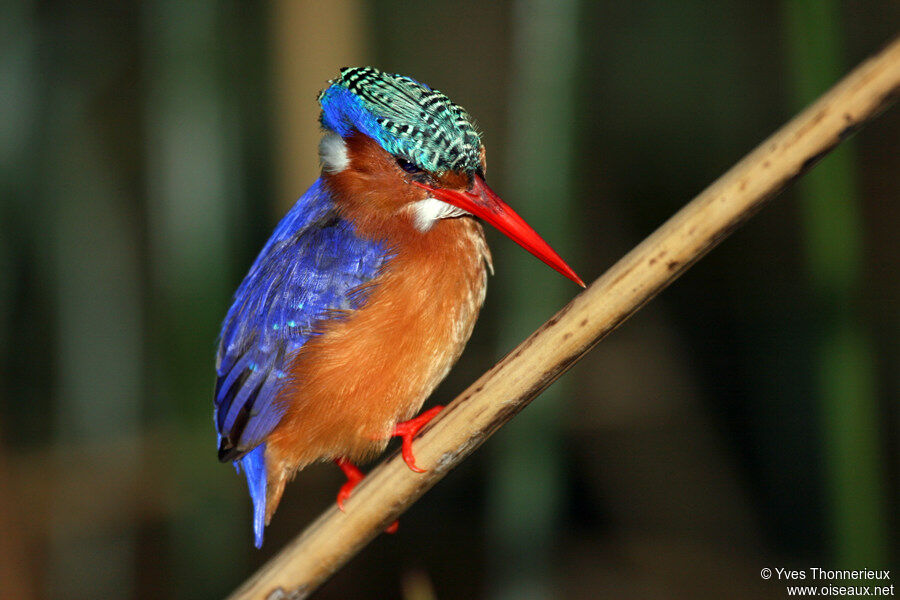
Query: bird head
[{"x": 400, "y": 154}]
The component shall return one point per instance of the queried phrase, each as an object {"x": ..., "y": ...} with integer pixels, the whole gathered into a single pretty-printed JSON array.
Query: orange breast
[{"x": 376, "y": 366}]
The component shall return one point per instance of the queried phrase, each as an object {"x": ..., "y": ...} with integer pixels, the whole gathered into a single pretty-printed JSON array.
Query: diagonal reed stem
[{"x": 511, "y": 384}]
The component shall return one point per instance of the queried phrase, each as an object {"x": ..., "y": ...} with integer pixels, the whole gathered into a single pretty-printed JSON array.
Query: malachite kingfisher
[{"x": 366, "y": 292}]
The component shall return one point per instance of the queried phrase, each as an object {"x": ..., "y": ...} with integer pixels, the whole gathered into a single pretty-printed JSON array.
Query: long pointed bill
[{"x": 482, "y": 202}]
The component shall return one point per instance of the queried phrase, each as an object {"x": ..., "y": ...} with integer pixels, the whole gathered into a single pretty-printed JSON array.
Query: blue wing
[{"x": 312, "y": 264}]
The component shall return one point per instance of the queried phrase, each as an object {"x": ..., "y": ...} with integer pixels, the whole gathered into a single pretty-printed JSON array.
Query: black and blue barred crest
[{"x": 407, "y": 118}]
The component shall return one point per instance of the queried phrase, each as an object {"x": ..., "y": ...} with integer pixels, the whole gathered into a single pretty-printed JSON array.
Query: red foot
[
  {"x": 354, "y": 476},
  {"x": 407, "y": 430}
]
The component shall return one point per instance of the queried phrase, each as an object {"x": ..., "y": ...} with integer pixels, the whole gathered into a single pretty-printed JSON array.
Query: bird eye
[{"x": 408, "y": 166}]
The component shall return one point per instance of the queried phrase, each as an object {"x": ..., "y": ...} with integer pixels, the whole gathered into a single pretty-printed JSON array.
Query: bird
[{"x": 366, "y": 292}]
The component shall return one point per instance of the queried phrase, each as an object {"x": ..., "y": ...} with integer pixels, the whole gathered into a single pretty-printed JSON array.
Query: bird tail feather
[{"x": 254, "y": 465}]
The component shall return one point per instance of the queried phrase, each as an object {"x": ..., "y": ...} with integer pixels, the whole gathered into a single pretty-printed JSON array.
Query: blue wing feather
[{"x": 313, "y": 264}]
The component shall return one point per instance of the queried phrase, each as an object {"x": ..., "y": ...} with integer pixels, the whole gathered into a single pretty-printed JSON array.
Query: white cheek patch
[
  {"x": 426, "y": 212},
  {"x": 333, "y": 153}
]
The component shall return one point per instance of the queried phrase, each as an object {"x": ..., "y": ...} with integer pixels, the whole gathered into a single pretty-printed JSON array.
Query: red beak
[{"x": 482, "y": 202}]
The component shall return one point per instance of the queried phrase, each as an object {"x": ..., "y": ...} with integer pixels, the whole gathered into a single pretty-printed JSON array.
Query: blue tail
[{"x": 254, "y": 464}]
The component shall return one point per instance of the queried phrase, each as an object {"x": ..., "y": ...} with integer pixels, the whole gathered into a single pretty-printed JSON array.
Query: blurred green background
[{"x": 746, "y": 418}]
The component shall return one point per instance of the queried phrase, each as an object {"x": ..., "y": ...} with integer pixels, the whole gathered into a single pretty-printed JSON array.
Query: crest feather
[{"x": 407, "y": 118}]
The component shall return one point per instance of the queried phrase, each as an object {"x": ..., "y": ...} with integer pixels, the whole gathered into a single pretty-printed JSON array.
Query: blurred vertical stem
[
  {"x": 96, "y": 268},
  {"x": 305, "y": 53},
  {"x": 527, "y": 470},
  {"x": 193, "y": 179},
  {"x": 833, "y": 232}
]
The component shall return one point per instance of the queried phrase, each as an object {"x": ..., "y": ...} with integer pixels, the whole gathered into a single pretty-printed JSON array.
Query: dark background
[{"x": 746, "y": 418}]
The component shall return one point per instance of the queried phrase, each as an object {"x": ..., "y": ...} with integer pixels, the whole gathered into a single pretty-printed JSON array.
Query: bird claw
[
  {"x": 407, "y": 430},
  {"x": 354, "y": 476}
]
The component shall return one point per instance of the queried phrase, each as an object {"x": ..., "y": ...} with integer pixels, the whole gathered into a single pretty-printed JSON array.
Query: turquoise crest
[{"x": 408, "y": 119}]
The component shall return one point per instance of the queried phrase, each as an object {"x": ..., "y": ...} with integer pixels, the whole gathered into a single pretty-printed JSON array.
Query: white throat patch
[
  {"x": 426, "y": 212},
  {"x": 333, "y": 153}
]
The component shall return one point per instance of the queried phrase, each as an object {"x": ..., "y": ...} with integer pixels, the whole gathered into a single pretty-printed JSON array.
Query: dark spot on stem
[
  {"x": 849, "y": 129},
  {"x": 809, "y": 162}
]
